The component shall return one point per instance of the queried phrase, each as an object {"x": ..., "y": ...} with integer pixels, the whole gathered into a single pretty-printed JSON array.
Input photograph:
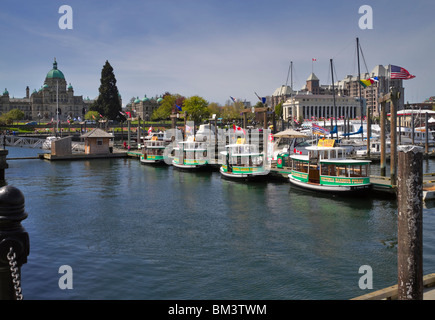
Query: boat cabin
[{"x": 329, "y": 166}]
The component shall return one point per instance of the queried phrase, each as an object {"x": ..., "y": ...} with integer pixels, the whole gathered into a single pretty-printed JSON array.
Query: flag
[
  {"x": 101, "y": 115},
  {"x": 319, "y": 130},
  {"x": 178, "y": 107},
  {"x": 368, "y": 82},
  {"x": 314, "y": 59},
  {"x": 128, "y": 113},
  {"x": 122, "y": 113},
  {"x": 150, "y": 130},
  {"x": 400, "y": 73},
  {"x": 297, "y": 151},
  {"x": 237, "y": 128},
  {"x": 188, "y": 129},
  {"x": 232, "y": 98}
]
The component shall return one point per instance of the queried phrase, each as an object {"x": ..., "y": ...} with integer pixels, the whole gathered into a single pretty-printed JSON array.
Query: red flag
[
  {"x": 297, "y": 151},
  {"x": 237, "y": 128}
]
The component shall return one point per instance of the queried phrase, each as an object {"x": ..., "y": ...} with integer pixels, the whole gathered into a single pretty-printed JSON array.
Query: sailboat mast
[
  {"x": 57, "y": 107},
  {"x": 333, "y": 95},
  {"x": 359, "y": 86}
]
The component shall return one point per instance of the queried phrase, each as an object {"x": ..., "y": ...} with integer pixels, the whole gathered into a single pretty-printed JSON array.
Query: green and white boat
[
  {"x": 243, "y": 161},
  {"x": 327, "y": 169},
  {"x": 153, "y": 151},
  {"x": 190, "y": 155}
]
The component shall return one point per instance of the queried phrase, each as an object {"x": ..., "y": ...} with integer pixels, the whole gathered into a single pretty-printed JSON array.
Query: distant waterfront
[{"x": 131, "y": 231}]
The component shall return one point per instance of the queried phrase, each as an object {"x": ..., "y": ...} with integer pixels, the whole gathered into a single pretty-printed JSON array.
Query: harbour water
[{"x": 131, "y": 231}]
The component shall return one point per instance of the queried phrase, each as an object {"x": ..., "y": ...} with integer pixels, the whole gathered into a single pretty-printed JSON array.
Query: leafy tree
[
  {"x": 167, "y": 106},
  {"x": 12, "y": 115},
  {"x": 108, "y": 103},
  {"x": 92, "y": 115},
  {"x": 196, "y": 108},
  {"x": 278, "y": 110},
  {"x": 215, "y": 108}
]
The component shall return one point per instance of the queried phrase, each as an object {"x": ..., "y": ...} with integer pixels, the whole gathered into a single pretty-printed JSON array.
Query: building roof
[
  {"x": 312, "y": 77},
  {"x": 283, "y": 91},
  {"x": 96, "y": 133},
  {"x": 55, "y": 73}
]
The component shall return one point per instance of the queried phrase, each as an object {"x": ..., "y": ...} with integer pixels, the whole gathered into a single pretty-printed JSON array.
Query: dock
[
  {"x": 391, "y": 293},
  {"x": 117, "y": 153}
]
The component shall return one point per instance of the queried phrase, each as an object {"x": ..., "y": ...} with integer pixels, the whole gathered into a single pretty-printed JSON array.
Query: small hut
[{"x": 97, "y": 141}]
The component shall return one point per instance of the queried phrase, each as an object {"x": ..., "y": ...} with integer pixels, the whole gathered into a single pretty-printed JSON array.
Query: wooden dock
[
  {"x": 82, "y": 156},
  {"x": 391, "y": 293}
]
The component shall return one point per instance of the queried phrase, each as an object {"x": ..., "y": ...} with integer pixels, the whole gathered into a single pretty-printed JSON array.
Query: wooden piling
[
  {"x": 395, "y": 94},
  {"x": 426, "y": 142},
  {"x": 383, "y": 102},
  {"x": 410, "y": 223},
  {"x": 369, "y": 133}
]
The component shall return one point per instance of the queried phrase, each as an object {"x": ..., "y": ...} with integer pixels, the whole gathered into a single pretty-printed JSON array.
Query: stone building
[
  {"x": 42, "y": 104},
  {"x": 144, "y": 108},
  {"x": 316, "y": 100},
  {"x": 320, "y": 106}
]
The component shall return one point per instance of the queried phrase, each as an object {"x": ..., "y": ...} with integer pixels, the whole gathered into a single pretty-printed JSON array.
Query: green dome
[
  {"x": 159, "y": 100},
  {"x": 145, "y": 98},
  {"x": 55, "y": 73},
  {"x": 5, "y": 92}
]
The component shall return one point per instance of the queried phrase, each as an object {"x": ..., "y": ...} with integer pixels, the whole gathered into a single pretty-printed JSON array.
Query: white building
[{"x": 321, "y": 106}]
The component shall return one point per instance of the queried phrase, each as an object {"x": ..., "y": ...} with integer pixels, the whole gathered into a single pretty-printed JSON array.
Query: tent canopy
[{"x": 291, "y": 133}]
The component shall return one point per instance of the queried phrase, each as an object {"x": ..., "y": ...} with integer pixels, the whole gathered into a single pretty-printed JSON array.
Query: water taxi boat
[
  {"x": 190, "y": 155},
  {"x": 243, "y": 161},
  {"x": 153, "y": 151},
  {"x": 327, "y": 169}
]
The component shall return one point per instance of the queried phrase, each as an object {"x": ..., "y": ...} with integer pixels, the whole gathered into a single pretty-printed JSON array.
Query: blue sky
[{"x": 211, "y": 48}]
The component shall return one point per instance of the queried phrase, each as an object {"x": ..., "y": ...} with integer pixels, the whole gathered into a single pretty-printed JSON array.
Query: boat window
[
  {"x": 328, "y": 169},
  {"x": 300, "y": 166},
  {"x": 358, "y": 171}
]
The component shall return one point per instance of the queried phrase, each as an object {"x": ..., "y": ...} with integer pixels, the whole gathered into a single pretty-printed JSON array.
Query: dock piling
[{"x": 410, "y": 223}]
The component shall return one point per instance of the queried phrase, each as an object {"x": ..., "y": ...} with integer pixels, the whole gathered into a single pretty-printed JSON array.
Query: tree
[
  {"x": 278, "y": 110},
  {"x": 92, "y": 115},
  {"x": 196, "y": 108},
  {"x": 167, "y": 106},
  {"x": 108, "y": 103},
  {"x": 11, "y": 116}
]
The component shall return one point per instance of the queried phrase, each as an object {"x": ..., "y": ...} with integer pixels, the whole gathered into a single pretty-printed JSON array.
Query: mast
[
  {"x": 359, "y": 78},
  {"x": 57, "y": 107},
  {"x": 333, "y": 95}
]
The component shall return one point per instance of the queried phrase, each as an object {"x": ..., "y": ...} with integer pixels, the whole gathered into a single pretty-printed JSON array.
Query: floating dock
[
  {"x": 391, "y": 293},
  {"x": 82, "y": 156}
]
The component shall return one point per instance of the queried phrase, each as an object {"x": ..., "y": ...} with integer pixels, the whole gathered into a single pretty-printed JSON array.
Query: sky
[{"x": 212, "y": 48}]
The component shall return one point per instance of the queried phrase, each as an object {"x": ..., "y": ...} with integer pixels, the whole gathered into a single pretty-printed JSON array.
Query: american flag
[{"x": 400, "y": 73}]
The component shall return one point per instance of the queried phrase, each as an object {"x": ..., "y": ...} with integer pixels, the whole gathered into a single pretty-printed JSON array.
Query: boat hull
[
  {"x": 244, "y": 176},
  {"x": 337, "y": 189},
  {"x": 152, "y": 162},
  {"x": 191, "y": 167}
]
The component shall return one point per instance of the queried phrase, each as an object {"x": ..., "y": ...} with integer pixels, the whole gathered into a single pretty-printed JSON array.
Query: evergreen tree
[{"x": 108, "y": 103}]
